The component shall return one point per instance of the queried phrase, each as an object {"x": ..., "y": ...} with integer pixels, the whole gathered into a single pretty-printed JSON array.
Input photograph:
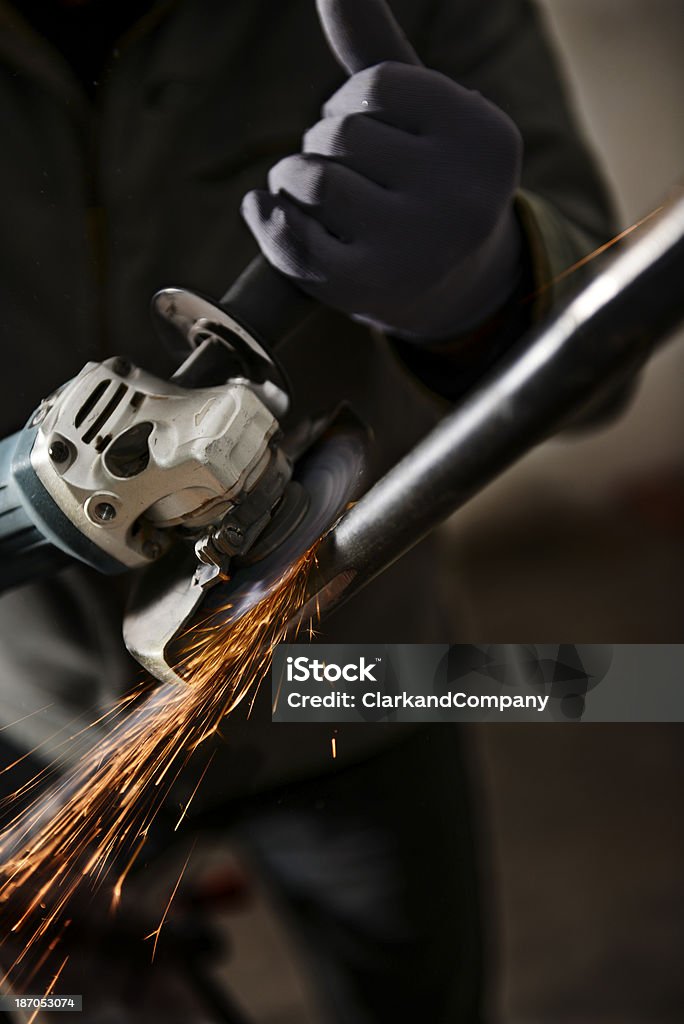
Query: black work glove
[{"x": 399, "y": 209}]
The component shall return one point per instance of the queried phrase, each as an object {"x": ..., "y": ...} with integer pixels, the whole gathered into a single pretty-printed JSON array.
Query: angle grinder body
[{"x": 190, "y": 480}]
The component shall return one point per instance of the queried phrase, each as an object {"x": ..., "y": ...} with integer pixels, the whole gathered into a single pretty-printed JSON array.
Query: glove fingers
[
  {"x": 362, "y": 33},
  {"x": 293, "y": 242},
  {"x": 379, "y": 152},
  {"x": 412, "y": 99},
  {"x": 342, "y": 200}
]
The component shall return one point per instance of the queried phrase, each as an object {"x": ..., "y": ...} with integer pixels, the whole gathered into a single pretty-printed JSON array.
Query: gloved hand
[{"x": 399, "y": 208}]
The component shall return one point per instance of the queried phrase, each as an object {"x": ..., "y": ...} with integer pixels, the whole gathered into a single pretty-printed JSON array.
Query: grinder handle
[
  {"x": 260, "y": 309},
  {"x": 267, "y": 303}
]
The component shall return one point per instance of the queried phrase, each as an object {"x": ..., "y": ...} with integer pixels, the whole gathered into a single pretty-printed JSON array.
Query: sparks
[
  {"x": 194, "y": 792},
  {"x": 595, "y": 253},
  {"x": 118, "y": 887},
  {"x": 99, "y": 814},
  {"x": 157, "y": 932},
  {"x": 51, "y": 987}
]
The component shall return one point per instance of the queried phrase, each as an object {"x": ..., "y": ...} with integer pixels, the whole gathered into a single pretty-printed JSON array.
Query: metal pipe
[{"x": 603, "y": 335}]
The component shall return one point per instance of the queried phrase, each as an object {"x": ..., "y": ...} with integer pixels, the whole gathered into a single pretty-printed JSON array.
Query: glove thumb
[{"x": 362, "y": 33}]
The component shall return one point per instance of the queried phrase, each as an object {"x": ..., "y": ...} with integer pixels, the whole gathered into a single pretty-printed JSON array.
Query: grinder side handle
[{"x": 267, "y": 303}]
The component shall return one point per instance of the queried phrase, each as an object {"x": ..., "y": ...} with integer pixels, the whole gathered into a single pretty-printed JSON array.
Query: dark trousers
[{"x": 373, "y": 867}]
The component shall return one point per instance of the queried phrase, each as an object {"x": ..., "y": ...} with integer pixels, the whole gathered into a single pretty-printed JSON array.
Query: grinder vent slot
[
  {"x": 91, "y": 401},
  {"x": 97, "y": 424}
]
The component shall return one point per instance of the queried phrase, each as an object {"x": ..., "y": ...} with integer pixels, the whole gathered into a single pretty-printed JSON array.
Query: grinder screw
[
  {"x": 58, "y": 451},
  {"x": 104, "y": 512},
  {"x": 121, "y": 366}
]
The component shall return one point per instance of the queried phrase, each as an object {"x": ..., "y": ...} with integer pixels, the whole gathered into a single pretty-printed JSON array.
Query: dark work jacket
[{"x": 105, "y": 202}]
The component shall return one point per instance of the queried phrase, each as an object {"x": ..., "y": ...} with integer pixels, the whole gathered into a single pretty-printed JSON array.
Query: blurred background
[
  {"x": 598, "y": 523},
  {"x": 585, "y": 540},
  {"x": 582, "y": 829}
]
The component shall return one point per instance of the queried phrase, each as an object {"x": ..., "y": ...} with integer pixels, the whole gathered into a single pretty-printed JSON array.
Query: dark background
[{"x": 585, "y": 541}]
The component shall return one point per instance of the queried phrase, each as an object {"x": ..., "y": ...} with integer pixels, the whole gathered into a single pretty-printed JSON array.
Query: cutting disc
[{"x": 165, "y": 603}]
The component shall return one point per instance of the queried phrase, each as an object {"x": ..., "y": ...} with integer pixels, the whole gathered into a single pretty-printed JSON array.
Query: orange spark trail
[
  {"x": 97, "y": 817},
  {"x": 38, "y": 711},
  {"x": 49, "y": 990},
  {"x": 595, "y": 254},
  {"x": 118, "y": 887},
  {"x": 46, "y": 955},
  {"x": 157, "y": 932},
  {"x": 192, "y": 795}
]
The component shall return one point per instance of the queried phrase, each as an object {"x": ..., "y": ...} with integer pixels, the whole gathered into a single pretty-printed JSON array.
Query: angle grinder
[{"x": 192, "y": 481}]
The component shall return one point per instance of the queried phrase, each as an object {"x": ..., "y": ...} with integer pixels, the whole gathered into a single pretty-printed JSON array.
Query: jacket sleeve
[{"x": 501, "y": 49}]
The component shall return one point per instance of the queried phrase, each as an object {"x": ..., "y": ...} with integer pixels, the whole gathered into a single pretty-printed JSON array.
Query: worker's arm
[{"x": 436, "y": 202}]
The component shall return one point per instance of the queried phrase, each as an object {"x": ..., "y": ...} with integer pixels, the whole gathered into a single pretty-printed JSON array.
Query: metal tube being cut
[{"x": 600, "y": 338}]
